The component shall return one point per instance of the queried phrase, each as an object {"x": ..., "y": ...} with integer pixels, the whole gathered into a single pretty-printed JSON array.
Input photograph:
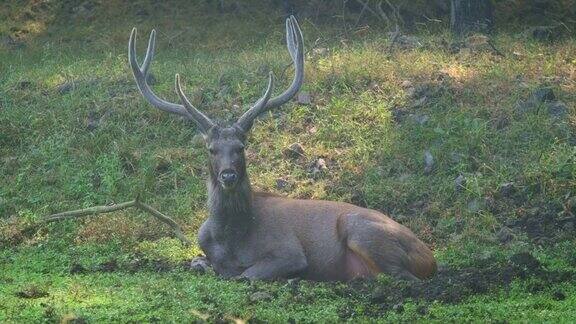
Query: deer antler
[
  {"x": 140, "y": 75},
  {"x": 295, "y": 44}
]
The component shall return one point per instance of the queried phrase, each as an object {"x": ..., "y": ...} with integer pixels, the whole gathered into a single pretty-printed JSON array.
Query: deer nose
[{"x": 228, "y": 176}]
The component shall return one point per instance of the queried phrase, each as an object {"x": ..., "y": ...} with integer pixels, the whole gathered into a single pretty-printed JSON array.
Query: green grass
[{"x": 51, "y": 162}]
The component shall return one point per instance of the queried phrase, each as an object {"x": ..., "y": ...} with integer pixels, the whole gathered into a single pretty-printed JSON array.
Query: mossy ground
[{"x": 369, "y": 124}]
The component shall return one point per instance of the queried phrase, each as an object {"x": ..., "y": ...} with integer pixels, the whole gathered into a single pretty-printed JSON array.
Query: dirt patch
[
  {"x": 137, "y": 264},
  {"x": 32, "y": 292},
  {"x": 452, "y": 285}
]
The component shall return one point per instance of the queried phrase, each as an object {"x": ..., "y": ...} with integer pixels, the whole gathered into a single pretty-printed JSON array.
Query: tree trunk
[{"x": 471, "y": 16}]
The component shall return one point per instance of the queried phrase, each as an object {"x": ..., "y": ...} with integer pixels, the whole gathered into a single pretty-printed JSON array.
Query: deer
[{"x": 251, "y": 235}]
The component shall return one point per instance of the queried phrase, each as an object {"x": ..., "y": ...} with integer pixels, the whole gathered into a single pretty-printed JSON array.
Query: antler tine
[
  {"x": 196, "y": 114},
  {"x": 140, "y": 75},
  {"x": 245, "y": 122},
  {"x": 149, "y": 52},
  {"x": 295, "y": 44}
]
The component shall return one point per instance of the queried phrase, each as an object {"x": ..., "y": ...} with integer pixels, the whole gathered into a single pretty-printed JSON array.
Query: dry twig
[{"x": 111, "y": 208}]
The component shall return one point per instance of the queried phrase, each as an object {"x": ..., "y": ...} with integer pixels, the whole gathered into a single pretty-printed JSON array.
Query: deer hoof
[{"x": 199, "y": 265}]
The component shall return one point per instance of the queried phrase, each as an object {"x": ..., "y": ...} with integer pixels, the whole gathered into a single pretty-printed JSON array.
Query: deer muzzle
[{"x": 228, "y": 178}]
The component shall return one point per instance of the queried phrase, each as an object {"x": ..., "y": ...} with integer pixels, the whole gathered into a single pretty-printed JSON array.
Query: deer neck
[{"x": 231, "y": 209}]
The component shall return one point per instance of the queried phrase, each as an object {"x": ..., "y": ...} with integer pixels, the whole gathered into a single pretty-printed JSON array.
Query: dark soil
[
  {"x": 453, "y": 285},
  {"x": 449, "y": 285},
  {"x": 32, "y": 292}
]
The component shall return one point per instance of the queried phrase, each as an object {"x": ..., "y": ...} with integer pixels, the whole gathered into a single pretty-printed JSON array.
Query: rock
[
  {"x": 422, "y": 310},
  {"x": 557, "y": 109},
  {"x": 304, "y": 98},
  {"x": 199, "y": 265},
  {"x": 420, "y": 119},
  {"x": 398, "y": 308},
  {"x": 312, "y": 130},
  {"x": 198, "y": 141},
  {"x": 504, "y": 235},
  {"x": 23, "y": 85},
  {"x": 11, "y": 43},
  {"x": 319, "y": 166},
  {"x": 539, "y": 96},
  {"x": 260, "y": 296},
  {"x": 545, "y": 33},
  {"x": 559, "y": 295},
  {"x": 398, "y": 114},
  {"x": 501, "y": 122},
  {"x": 428, "y": 162},
  {"x": 474, "y": 206},
  {"x": 411, "y": 92},
  {"x": 526, "y": 261},
  {"x": 66, "y": 87},
  {"x": 282, "y": 183},
  {"x": 294, "y": 151},
  {"x": 293, "y": 284},
  {"x": 507, "y": 189},
  {"x": 320, "y": 51},
  {"x": 375, "y": 86},
  {"x": 419, "y": 102},
  {"x": 406, "y": 84},
  {"x": 478, "y": 42},
  {"x": 72, "y": 319},
  {"x": 405, "y": 41},
  {"x": 460, "y": 182},
  {"x": 92, "y": 121},
  {"x": 543, "y": 94}
]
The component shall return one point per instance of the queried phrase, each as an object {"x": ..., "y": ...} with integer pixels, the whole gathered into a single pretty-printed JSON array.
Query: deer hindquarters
[{"x": 378, "y": 244}]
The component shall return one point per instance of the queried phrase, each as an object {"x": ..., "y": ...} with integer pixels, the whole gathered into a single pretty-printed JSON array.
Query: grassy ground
[{"x": 507, "y": 251}]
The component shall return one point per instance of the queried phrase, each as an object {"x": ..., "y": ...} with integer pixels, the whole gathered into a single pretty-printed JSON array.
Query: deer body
[
  {"x": 264, "y": 236},
  {"x": 310, "y": 239}
]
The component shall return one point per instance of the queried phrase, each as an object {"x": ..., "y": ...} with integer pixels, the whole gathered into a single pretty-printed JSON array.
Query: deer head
[{"x": 225, "y": 144}]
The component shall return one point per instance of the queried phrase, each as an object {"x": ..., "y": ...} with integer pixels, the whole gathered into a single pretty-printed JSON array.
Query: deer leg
[
  {"x": 376, "y": 246},
  {"x": 276, "y": 267}
]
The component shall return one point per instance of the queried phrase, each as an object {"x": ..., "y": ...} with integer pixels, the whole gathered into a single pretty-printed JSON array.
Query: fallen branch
[
  {"x": 111, "y": 208},
  {"x": 393, "y": 40},
  {"x": 496, "y": 51}
]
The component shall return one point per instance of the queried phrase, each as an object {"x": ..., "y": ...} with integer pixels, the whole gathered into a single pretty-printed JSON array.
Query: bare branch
[
  {"x": 112, "y": 208},
  {"x": 88, "y": 211}
]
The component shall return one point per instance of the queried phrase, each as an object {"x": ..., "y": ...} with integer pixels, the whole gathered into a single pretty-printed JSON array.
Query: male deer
[{"x": 263, "y": 236}]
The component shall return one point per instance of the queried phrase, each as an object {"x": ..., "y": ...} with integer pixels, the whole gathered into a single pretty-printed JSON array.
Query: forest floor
[{"x": 471, "y": 148}]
